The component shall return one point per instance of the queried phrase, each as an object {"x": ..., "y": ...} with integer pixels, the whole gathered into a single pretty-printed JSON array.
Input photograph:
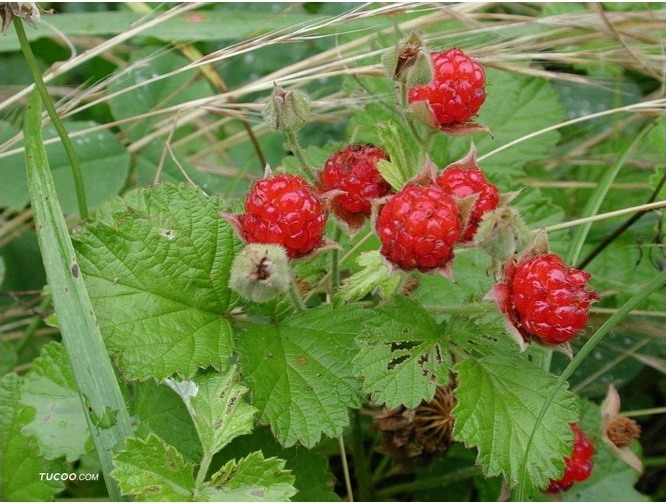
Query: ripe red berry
[
  {"x": 418, "y": 228},
  {"x": 457, "y": 90},
  {"x": 354, "y": 170},
  {"x": 284, "y": 210},
  {"x": 546, "y": 299},
  {"x": 463, "y": 182},
  {"x": 578, "y": 465}
]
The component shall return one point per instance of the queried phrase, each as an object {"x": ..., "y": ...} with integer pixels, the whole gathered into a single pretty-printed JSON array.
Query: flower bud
[
  {"x": 408, "y": 62},
  {"x": 287, "y": 110},
  {"x": 260, "y": 272}
]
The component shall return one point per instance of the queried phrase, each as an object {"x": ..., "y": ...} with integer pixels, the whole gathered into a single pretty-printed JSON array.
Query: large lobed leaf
[
  {"x": 300, "y": 372},
  {"x": 157, "y": 276},
  {"x": 499, "y": 398},
  {"x": 403, "y": 357},
  {"x": 59, "y": 425}
]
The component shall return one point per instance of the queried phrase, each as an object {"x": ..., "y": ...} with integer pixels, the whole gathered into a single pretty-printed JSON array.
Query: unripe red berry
[
  {"x": 354, "y": 171},
  {"x": 546, "y": 299},
  {"x": 578, "y": 465},
  {"x": 457, "y": 90},
  {"x": 418, "y": 228},
  {"x": 464, "y": 182},
  {"x": 284, "y": 210}
]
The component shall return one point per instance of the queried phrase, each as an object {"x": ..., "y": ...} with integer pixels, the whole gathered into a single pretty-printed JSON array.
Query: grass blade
[
  {"x": 102, "y": 400},
  {"x": 594, "y": 202},
  {"x": 626, "y": 308}
]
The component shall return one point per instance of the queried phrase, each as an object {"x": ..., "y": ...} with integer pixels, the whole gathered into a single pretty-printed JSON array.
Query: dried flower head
[
  {"x": 618, "y": 431},
  {"x": 415, "y": 437}
]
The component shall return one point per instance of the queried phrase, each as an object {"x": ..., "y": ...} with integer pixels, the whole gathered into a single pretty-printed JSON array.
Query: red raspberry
[
  {"x": 578, "y": 465},
  {"x": 457, "y": 90},
  {"x": 547, "y": 299},
  {"x": 354, "y": 170},
  {"x": 463, "y": 182},
  {"x": 418, "y": 228},
  {"x": 284, "y": 210}
]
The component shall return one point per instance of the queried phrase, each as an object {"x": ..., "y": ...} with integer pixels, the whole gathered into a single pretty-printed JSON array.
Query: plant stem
[
  {"x": 431, "y": 483},
  {"x": 626, "y": 308},
  {"x": 55, "y": 118},
  {"x": 361, "y": 469},
  {"x": 403, "y": 106},
  {"x": 34, "y": 324},
  {"x": 471, "y": 308},
  {"x": 381, "y": 468},
  {"x": 296, "y": 296},
  {"x": 203, "y": 468},
  {"x": 645, "y": 412},
  {"x": 345, "y": 467},
  {"x": 611, "y": 214},
  {"x": 295, "y": 147},
  {"x": 335, "y": 261}
]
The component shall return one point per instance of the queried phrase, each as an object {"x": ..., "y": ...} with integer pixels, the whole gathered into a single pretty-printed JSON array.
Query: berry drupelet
[
  {"x": 457, "y": 90},
  {"x": 284, "y": 210},
  {"x": 464, "y": 182},
  {"x": 418, "y": 228},
  {"x": 354, "y": 171},
  {"x": 578, "y": 465},
  {"x": 545, "y": 299}
]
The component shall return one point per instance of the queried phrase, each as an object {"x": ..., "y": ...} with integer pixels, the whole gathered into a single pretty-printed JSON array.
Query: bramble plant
[{"x": 396, "y": 315}]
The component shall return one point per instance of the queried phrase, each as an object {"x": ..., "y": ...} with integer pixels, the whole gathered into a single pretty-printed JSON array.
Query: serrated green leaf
[
  {"x": 158, "y": 282},
  {"x": 152, "y": 470},
  {"x": 252, "y": 478},
  {"x": 20, "y": 462},
  {"x": 215, "y": 403},
  {"x": 313, "y": 479},
  {"x": 300, "y": 372},
  {"x": 482, "y": 336},
  {"x": 498, "y": 400},
  {"x": 163, "y": 412},
  {"x": 375, "y": 274},
  {"x": 104, "y": 163},
  {"x": 59, "y": 425},
  {"x": 402, "y": 150},
  {"x": 403, "y": 358}
]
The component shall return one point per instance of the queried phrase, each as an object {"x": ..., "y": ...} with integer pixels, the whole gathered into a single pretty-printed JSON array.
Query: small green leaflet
[
  {"x": 375, "y": 274},
  {"x": 403, "y": 358},
  {"x": 59, "y": 425},
  {"x": 215, "y": 403},
  {"x": 252, "y": 478},
  {"x": 20, "y": 463},
  {"x": 157, "y": 277},
  {"x": 300, "y": 372},
  {"x": 499, "y": 398},
  {"x": 152, "y": 470}
]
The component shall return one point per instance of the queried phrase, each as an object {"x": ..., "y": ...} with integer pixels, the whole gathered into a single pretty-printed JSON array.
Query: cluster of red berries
[{"x": 578, "y": 465}]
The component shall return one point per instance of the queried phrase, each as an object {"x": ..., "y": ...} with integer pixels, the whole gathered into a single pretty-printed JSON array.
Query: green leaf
[
  {"x": 252, "y": 478},
  {"x": 162, "y": 411},
  {"x": 300, "y": 372},
  {"x": 104, "y": 165},
  {"x": 402, "y": 358},
  {"x": 8, "y": 357},
  {"x": 215, "y": 403},
  {"x": 314, "y": 481},
  {"x": 498, "y": 400},
  {"x": 20, "y": 462},
  {"x": 403, "y": 152},
  {"x": 158, "y": 281},
  {"x": 375, "y": 274},
  {"x": 59, "y": 425},
  {"x": 152, "y": 470}
]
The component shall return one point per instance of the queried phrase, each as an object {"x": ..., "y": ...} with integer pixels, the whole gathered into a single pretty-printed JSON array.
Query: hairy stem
[
  {"x": 361, "y": 469},
  {"x": 296, "y": 296},
  {"x": 295, "y": 147},
  {"x": 55, "y": 118}
]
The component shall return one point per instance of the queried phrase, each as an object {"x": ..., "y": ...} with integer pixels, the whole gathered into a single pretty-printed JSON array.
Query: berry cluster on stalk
[{"x": 421, "y": 221}]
